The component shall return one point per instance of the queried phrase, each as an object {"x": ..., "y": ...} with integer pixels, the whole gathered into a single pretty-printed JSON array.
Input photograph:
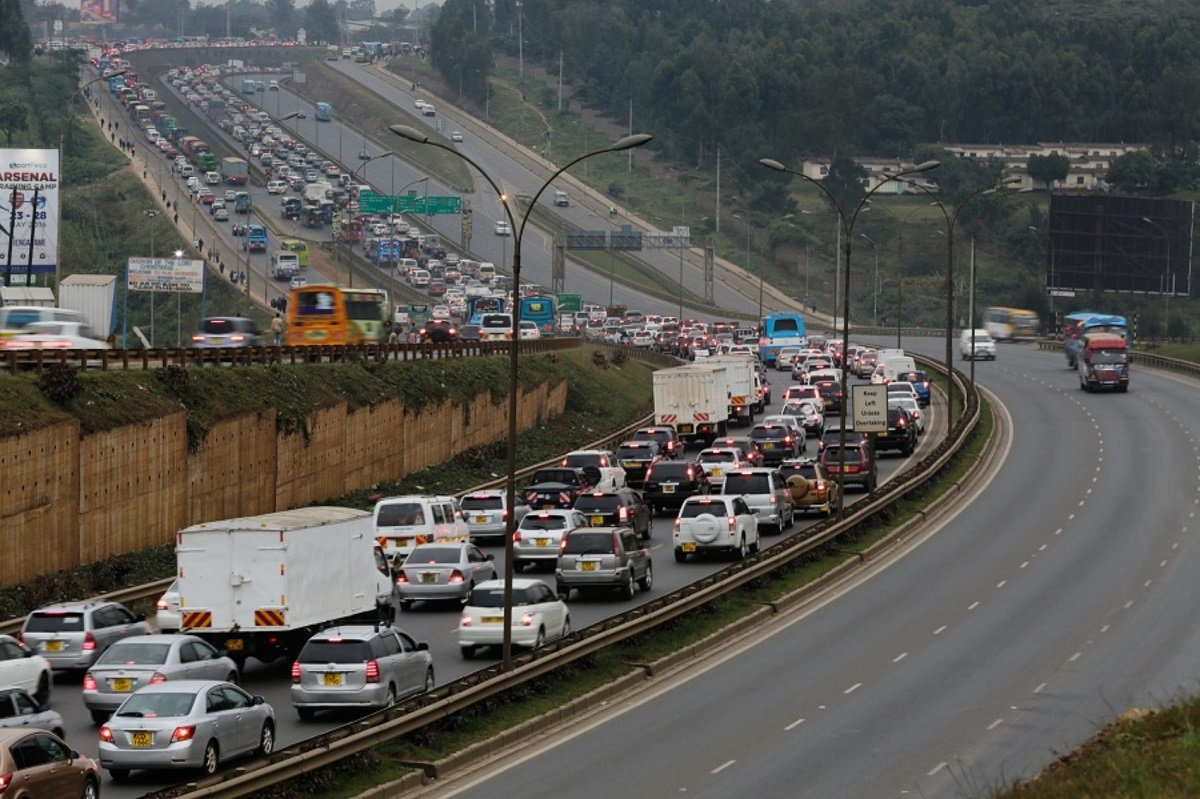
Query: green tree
[
  {"x": 14, "y": 117},
  {"x": 321, "y": 22},
  {"x": 282, "y": 14},
  {"x": 844, "y": 182},
  {"x": 1048, "y": 168},
  {"x": 361, "y": 9},
  {"x": 15, "y": 38},
  {"x": 1133, "y": 171}
]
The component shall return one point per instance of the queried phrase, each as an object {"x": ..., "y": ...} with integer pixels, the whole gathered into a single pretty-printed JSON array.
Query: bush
[{"x": 60, "y": 383}]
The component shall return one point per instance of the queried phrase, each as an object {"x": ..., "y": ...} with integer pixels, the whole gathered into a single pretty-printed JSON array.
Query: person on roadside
[{"x": 277, "y": 329}]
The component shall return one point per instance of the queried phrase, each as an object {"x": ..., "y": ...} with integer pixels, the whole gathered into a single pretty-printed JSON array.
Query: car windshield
[
  {"x": 540, "y": 522},
  {"x": 588, "y": 543},
  {"x": 335, "y": 650},
  {"x": 691, "y": 510},
  {"x": 156, "y": 705},
  {"x": 51, "y": 622},
  {"x": 421, "y": 556},
  {"x": 747, "y": 484},
  {"x": 589, "y": 503},
  {"x": 718, "y": 456},
  {"x": 1107, "y": 356},
  {"x": 126, "y": 654},
  {"x": 399, "y": 514},
  {"x": 482, "y": 503}
]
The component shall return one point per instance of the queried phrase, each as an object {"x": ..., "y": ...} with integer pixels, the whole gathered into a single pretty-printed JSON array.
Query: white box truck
[
  {"x": 740, "y": 381},
  {"x": 260, "y": 586},
  {"x": 285, "y": 265},
  {"x": 694, "y": 399},
  {"x": 95, "y": 297}
]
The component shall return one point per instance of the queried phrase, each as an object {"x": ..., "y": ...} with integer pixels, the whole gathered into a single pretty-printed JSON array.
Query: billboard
[
  {"x": 28, "y": 210},
  {"x": 178, "y": 275},
  {"x": 1109, "y": 243},
  {"x": 98, "y": 12}
]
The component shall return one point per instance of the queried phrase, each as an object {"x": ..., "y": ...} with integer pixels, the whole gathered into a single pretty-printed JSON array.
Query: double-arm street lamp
[
  {"x": 951, "y": 217},
  {"x": 847, "y": 225},
  {"x": 1167, "y": 277},
  {"x": 518, "y": 231}
]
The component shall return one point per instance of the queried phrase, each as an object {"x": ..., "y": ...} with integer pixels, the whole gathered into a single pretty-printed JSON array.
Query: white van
[
  {"x": 896, "y": 364},
  {"x": 977, "y": 343},
  {"x": 15, "y": 318},
  {"x": 403, "y": 522},
  {"x": 276, "y": 187},
  {"x": 212, "y": 178},
  {"x": 485, "y": 272},
  {"x": 419, "y": 278},
  {"x": 407, "y": 265}
]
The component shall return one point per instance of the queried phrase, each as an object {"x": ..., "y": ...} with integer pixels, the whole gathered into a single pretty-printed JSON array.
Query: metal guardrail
[{"x": 443, "y": 701}]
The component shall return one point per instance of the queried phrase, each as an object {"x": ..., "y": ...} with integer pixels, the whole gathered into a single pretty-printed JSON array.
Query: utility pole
[
  {"x": 560, "y": 70},
  {"x": 718, "y": 189},
  {"x": 631, "y": 133}
]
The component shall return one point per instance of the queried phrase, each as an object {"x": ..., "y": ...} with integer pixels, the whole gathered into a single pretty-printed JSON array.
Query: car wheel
[
  {"x": 468, "y": 652},
  {"x": 648, "y": 578},
  {"x": 680, "y": 556},
  {"x": 306, "y": 713},
  {"x": 741, "y": 550},
  {"x": 406, "y": 604},
  {"x": 232, "y": 677},
  {"x": 518, "y": 565},
  {"x": 211, "y": 758},
  {"x": 42, "y": 694},
  {"x": 266, "y": 740},
  {"x": 755, "y": 546},
  {"x": 429, "y": 681},
  {"x": 90, "y": 790},
  {"x": 391, "y": 696},
  {"x": 791, "y": 517},
  {"x": 118, "y": 774},
  {"x": 629, "y": 589},
  {"x": 100, "y": 716},
  {"x": 566, "y": 628},
  {"x": 564, "y": 592},
  {"x": 541, "y": 638}
]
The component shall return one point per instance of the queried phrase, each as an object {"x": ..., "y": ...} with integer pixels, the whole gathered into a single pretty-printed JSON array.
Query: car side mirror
[
  {"x": 141, "y": 617},
  {"x": 491, "y": 557},
  {"x": 258, "y": 700},
  {"x": 422, "y": 647}
]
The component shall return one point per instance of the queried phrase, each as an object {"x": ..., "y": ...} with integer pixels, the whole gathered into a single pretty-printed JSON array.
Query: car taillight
[
  {"x": 372, "y": 671},
  {"x": 788, "y": 439},
  {"x": 465, "y": 620},
  {"x": 183, "y": 734},
  {"x": 649, "y": 472},
  {"x": 623, "y": 514},
  {"x": 527, "y": 620},
  {"x": 89, "y": 682},
  {"x": 732, "y": 524},
  {"x": 89, "y": 642},
  {"x": 677, "y": 525},
  {"x": 401, "y": 577},
  {"x": 161, "y": 604},
  {"x": 456, "y": 576},
  {"x": 157, "y": 677},
  {"x": 296, "y": 671},
  {"x": 901, "y": 423},
  {"x": 105, "y": 735},
  {"x": 517, "y": 537}
]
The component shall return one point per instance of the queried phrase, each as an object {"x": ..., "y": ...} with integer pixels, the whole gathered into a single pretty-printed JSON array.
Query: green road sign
[{"x": 411, "y": 203}]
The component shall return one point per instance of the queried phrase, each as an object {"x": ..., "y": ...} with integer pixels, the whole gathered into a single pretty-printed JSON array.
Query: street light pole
[
  {"x": 848, "y": 224},
  {"x": 1167, "y": 290},
  {"x": 518, "y": 231},
  {"x": 1053, "y": 283},
  {"x": 875, "y": 283}
]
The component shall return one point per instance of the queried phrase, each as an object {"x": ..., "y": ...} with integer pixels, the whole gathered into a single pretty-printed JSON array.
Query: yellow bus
[
  {"x": 333, "y": 315},
  {"x": 1007, "y": 324}
]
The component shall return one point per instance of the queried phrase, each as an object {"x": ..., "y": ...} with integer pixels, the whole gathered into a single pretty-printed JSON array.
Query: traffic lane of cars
[{"x": 437, "y": 626}]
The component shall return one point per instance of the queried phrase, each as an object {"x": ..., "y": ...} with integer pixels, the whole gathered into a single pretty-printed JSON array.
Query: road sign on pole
[
  {"x": 870, "y": 408},
  {"x": 411, "y": 203}
]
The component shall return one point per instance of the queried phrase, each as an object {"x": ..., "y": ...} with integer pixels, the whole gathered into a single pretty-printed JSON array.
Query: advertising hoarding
[
  {"x": 28, "y": 209},
  {"x": 179, "y": 275},
  {"x": 98, "y": 12}
]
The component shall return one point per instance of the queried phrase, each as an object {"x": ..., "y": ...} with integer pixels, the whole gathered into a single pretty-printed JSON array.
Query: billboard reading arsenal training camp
[
  {"x": 28, "y": 211},
  {"x": 98, "y": 12}
]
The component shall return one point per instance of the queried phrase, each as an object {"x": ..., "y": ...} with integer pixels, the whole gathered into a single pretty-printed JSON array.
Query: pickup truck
[{"x": 557, "y": 487}]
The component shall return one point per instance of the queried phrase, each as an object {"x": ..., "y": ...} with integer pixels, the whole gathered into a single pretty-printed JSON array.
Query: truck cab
[
  {"x": 256, "y": 239},
  {"x": 284, "y": 265},
  {"x": 1103, "y": 363}
]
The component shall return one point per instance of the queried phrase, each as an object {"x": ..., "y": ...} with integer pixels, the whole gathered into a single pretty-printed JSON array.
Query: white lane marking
[
  {"x": 936, "y": 769},
  {"x": 1075, "y": 657},
  {"x": 1147, "y": 584},
  {"x": 1002, "y": 583},
  {"x": 1058, "y": 531},
  {"x": 793, "y": 725},
  {"x": 1129, "y": 604},
  {"x": 1104, "y": 629},
  {"x": 723, "y": 766},
  {"x": 1025, "y": 564},
  {"x": 939, "y": 630},
  {"x": 1040, "y": 688},
  {"x": 852, "y": 688},
  {"x": 1042, "y": 548},
  {"x": 1161, "y": 565},
  {"x": 973, "y": 605},
  {"x": 995, "y": 724},
  {"x": 900, "y": 657}
]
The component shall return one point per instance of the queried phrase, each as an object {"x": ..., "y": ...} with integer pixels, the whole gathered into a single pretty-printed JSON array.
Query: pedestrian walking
[
  {"x": 277, "y": 329},
  {"x": 222, "y": 266},
  {"x": 176, "y": 218}
]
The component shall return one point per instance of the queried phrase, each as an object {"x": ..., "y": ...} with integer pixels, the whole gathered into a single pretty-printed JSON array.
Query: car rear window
[
  {"x": 422, "y": 555},
  {"x": 585, "y": 543},
  {"x": 718, "y": 456},
  {"x": 633, "y": 453},
  {"x": 482, "y": 503},
  {"x": 156, "y": 705},
  {"x": 400, "y": 514},
  {"x": 602, "y": 504},
  {"x": 769, "y": 433},
  {"x": 539, "y": 522},
  {"x": 488, "y": 598},
  {"x": 328, "y": 650},
  {"x": 579, "y": 460},
  {"x": 134, "y": 655},
  {"x": 220, "y": 327},
  {"x": 674, "y": 470},
  {"x": 53, "y": 622},
  {"x": 833, "y": 455},
  {"x": 691, "y": 510},
  {"x": 747, "y": 484}
]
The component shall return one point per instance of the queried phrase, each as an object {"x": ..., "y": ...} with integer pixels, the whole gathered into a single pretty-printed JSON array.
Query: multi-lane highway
[
  {"x": 1061, "y": 596},
  {"x": 436, "y": 624}
]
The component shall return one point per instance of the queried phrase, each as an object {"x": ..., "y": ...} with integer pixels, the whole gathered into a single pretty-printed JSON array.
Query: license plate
[
  {"x": 768, "y": 445},
  {"x": 492, "y": 620},
  {"x": 597, "y": 520},
  {"x": 668, "y": 489},
  {"x": 688, "y": 546},
  {"x": 685, "y": 428},
  {"x": 550, "y": 506},
  {"x": 629, "y": 464},
  {"x": 143, "y": 739},
  {"x": 481, "y": 519},
  {"x": 716, "y": 472},
  {"x": 333, "y": 679},
  {"x": 541, "y": 542},
  {"x": 234, "y": 644},
  {"x": 429, "y": 577},
  {"x": 847, "y": 468},
  {"x": 122, "y": 685},
  {"x": 588, "y": 566},
  {"x": 54, "y": 646}
]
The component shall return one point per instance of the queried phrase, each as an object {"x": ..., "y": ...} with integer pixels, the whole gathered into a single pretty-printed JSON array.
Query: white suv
[
  {"x": 715, "y": 522},
  {"x": 984, "y": 345}
]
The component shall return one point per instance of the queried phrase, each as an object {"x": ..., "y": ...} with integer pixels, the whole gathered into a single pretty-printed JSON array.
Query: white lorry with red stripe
[
  {"x": 260, "y": 586},
  {"x": 694, "y": 399}
]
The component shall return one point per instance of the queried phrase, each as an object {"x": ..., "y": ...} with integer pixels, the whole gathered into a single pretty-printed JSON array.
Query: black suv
[
  {"x": 438, "y": 331},
  {"x": 620, "y": 508},
  {"x": 831, "y": 395},
  {"x": 858, "y": 464},
  {"x": 666, "y": 438},
  {"x": 556, "y": 487},
  {"x": 746, "y": 444},
  {"x": 776, "y": 442},
  {"x": 669, "y": 483},
  {"x": 832, "y": 436},
  {"x": 635, "y": 458},
  {"x": 901, "y": 433}
]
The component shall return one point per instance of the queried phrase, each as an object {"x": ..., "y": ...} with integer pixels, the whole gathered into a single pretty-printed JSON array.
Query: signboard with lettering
[
  {"x": 28, "y": 210},
  {"x": 870, "y": 408},
  {"x": 411, "y": 203},
  {"x": 179, "y": 275}
]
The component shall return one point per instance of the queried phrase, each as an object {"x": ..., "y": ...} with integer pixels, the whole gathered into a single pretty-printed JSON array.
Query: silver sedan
[
  {"x": 138, "y": 661},
  {"x": 190, "y": 724},
  {"x": 446, "y": 571},
  {"x": 19, "y": 709}
]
